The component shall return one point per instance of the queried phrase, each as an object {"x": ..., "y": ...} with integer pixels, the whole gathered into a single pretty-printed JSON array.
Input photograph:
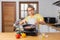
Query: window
[{"x": 23, "y": 8}]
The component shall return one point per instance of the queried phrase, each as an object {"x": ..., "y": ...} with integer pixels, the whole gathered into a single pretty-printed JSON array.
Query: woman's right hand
[
  {"x": 36, "y": 23},
  {"x": 22, "y": 21}
]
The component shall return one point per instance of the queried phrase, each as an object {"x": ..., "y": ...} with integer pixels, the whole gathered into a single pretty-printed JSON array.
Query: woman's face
[{"x": 30, "y": 11}]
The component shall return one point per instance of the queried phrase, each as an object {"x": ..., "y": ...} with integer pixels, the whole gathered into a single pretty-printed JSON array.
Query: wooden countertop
[{"x": 11, "y": 36}]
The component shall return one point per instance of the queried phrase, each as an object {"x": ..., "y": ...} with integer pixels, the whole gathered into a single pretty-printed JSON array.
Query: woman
[{"x": 33, "y": 18}]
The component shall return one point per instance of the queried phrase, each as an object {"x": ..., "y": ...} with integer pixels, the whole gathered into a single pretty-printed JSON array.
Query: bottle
[{"x": 43, "y": 36}]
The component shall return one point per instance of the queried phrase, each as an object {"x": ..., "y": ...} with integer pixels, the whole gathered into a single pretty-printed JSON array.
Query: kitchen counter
[{"x": 11, "y": 36}]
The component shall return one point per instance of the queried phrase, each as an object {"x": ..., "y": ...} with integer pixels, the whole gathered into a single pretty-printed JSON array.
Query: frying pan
[{"x": 29, "y": 27}]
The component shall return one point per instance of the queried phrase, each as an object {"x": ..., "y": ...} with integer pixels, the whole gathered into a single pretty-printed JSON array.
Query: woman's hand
[
  {"x": 23, "y": 21},
  {"x": 36, "y": 23},
  {"x": 42, "y": 22}
]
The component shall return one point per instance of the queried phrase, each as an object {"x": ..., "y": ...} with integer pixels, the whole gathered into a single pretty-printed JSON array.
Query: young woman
[{"x": 33, "y": 18}]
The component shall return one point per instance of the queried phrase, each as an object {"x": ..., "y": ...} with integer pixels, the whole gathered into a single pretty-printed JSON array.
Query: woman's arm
[
  {"x": 40, "y": 19},
  {"x": 22, "y": 21},
  {"x": 42, "y": 22}
]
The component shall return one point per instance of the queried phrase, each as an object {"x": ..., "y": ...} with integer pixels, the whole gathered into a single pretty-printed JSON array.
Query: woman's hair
[{"x": 30, "y": 6}]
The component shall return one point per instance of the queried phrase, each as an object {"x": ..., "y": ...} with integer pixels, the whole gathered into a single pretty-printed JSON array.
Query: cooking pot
[{"x": 30, "y": 29}]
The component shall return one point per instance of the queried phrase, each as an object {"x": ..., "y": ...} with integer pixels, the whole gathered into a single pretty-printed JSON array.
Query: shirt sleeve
[{"x": 39, "y": 17}]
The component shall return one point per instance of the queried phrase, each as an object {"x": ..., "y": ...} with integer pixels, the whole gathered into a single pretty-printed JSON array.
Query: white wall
[{"x": 47, "y": 9}]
